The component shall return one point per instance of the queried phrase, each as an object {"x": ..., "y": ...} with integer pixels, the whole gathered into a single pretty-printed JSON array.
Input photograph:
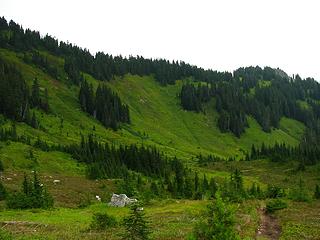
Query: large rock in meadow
[{"x": 121, "y": 200}]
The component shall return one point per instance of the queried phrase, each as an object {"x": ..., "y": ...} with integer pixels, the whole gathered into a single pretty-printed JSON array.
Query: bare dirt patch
[{"x": 269, "y": 227}]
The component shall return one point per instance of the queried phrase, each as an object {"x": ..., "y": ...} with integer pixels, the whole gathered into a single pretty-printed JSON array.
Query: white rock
[{"x": 121, "y": 200}]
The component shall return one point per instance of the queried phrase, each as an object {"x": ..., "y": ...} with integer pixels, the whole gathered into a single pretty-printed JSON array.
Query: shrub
[
  {"x": 84, "y": 201},
  {"x": 102, "y": 221},
  {"x": 275, "y": 204},
  {"x": 275, "y": 192}
]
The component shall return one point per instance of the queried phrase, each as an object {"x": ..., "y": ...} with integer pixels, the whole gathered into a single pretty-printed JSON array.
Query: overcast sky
[{"x": 222, "y": 35}]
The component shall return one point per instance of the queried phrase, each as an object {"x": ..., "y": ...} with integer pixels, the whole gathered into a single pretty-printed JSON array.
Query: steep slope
[{"x": 156, "y": 115}]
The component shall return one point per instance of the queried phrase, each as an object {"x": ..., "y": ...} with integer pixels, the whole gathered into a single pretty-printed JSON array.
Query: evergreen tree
[
  {"x": 32, "y": 195},
  {"x": 34, "y": 121},
  {"x": 299, "y": 193},
  {"x": 35, "y": 94},
  {"x": 188, "y": 188},
  {"x": 154, "y": 188},
  {"x": 234, "y": 189},
  {"x": 205, "y": 184},
  {"x": 196, "y": 182},
  {"x": 220, "y": 222},
  {"x": 317, "y": 192},
  {"x": 136, "y": 224},
  {"x": 26, "y": 187},
  {"x": 213, "y": 187},
  {"x": 3, "y": 192},
  {"x": 1, "y": 166},
  {"x": 45, "y": 102},
  {"x": 106, "y": 106},
  {"x": 14, "y": 93}
]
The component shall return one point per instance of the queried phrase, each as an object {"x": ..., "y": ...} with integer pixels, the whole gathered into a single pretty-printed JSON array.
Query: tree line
[
  {"x": 306, "y": 154},
  {"x": 102, "y": 66}
]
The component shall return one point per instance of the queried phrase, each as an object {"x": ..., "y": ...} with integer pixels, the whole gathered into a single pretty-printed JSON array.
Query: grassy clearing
[
  {"x": 300, "y": 221},
  {"x": 156, "y": 111},
  {"x": 265, "y": 172},
  {"x": 169, "y": 219},
  {"x": 16, "y": 156}
]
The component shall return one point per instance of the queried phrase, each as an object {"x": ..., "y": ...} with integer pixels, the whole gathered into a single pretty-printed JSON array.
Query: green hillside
[
  {"x": 157, "y": 119},
  {"x": 156, "y": 115}
]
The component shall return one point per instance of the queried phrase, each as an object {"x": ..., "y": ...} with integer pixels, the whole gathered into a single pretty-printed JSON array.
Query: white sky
[{"x": 217, "y": 34}]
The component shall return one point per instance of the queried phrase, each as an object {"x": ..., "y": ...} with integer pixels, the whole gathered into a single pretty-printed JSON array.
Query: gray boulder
[{"x": 121, "y": 200}]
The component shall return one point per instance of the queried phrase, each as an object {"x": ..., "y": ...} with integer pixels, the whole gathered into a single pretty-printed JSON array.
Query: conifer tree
[
  {"x": 45, "y": 102},
  {"x": 32, "y": 195},
  {"x": 26, "y": 187},
  {"x": 213, "y": 187},
  {"x": 317, "y": 192},
  {"x": 188, "y": 188},
  {"x": 34, "y": 121},
  {"x": 196, "y": 182},
  {"x": 1, "y": 167},
  {"x": 3, "y": 192},
  {"x": 35, "y": 94},
  {"x": 205, "y": 184},
  {"x": 220, "y": 222},
  {"x": 136, "y": 224}
]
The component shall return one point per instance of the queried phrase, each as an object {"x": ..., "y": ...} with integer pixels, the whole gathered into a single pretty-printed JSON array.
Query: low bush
[
  {"x": 275, "y": 204},
  {"x": 102, "y": 221},
  {"x": 275, "y": 192}
]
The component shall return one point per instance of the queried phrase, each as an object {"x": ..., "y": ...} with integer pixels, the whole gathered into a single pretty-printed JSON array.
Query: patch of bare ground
[{"x": 269, "y": 227}]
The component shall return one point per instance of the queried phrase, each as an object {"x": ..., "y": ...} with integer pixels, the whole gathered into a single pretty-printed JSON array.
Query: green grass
[
  {"x": 168, "y": 219},
  {"x": 304, "y": 105},
  {"x": 16, "y": 156},
  {"x": 155, "y": 110},
  {"x": 300, "y": 221},
  {"x": 265, "y": 172}
]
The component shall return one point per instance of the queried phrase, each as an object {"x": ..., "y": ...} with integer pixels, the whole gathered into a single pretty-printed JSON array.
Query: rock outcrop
[{"x": 121, "y": 200}]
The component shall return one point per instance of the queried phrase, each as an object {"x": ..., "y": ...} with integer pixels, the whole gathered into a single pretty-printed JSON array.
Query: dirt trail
[{"x": 269, "y": 227}]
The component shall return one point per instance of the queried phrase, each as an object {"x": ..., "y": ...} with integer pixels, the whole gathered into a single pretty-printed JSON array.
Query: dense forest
[
  {"x": 104, "y": 105},
  {"x": 16, "y": 99},
  {"x": 265, "y": 94}
]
